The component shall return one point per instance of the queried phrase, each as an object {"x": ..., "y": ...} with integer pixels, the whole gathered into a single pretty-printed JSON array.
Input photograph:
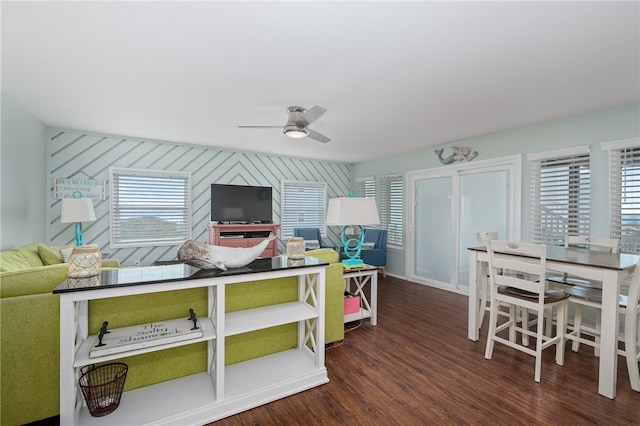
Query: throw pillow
[
  {"x": 49, "y": 255},
  {"x": 66, "y": 252},
  {"x": 311, "y": 245},
  {"x": 368, "y": 245}
]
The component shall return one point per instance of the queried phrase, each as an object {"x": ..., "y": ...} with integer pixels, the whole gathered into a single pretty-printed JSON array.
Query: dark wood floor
[{"x": 418, "y": 367}]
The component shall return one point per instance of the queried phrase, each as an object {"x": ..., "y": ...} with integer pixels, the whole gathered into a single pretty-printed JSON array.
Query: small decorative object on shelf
[
  {"x": 103, "y": 331},
  {"x": 194, "y": 318},
  {"x": 295, "y": 248},
  {"x": 351, "y": 303},
  {"x": 209, "y": 256},
  {"x": 85, "y": 261},
  {"x": 141, "y": 336}
]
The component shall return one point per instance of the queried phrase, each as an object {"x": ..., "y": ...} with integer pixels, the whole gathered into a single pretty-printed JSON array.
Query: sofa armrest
[
  {"x": 324, "y": 254},
  {"x": 41, "y": 279},
  {"x": 110, "y": 263}
]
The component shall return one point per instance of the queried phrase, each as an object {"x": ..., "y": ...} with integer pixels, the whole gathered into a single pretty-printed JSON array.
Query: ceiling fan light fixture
[{"x": 296, "y": 132}]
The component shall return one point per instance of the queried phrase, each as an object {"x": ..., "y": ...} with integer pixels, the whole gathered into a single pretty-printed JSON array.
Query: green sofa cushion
[
  {"x": 20, "y": 258},
  {"x": 49, "y": 255},
  {"x": 13, "y": 260}
]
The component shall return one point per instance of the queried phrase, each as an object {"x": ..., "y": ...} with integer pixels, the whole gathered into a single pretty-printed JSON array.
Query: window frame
[
  {"x": 366, "y": 187},
  {"x": 576, "y": 193},
  {"x": 320, "y": 206},
  {"x": 392, "y": 208},
  {"x": 623, "y": 153},
  {"x": 184, "y": 212}
]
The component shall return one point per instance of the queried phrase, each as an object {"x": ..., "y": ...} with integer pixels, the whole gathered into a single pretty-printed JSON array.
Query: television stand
[{"x": 244, "y": 235}]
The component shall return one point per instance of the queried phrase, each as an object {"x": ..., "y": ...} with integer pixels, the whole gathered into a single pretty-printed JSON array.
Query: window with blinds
[
  {"x": 391, "y": 208},
  {"x": 624, "y": 181},
  {"x": 303, "y": 205},
  {"x": 560, "y": 197},
  {"x": 149, "y": 207},
  {"x": 366, "y": 187}
]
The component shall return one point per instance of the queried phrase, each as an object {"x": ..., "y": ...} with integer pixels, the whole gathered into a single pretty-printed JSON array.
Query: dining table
[{"x": 609, "y": 268}]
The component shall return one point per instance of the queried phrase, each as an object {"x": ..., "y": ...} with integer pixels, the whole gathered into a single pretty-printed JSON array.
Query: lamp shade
[
  {"x": 344, "y": 211},
  {"x": 77, "y": 210}
]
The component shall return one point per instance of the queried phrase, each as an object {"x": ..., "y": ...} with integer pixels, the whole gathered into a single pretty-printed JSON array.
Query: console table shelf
[
  {"x": 268, "y": 316},
  {"x": 83, "y": 358},
  {"x": 222, "y": 390}
]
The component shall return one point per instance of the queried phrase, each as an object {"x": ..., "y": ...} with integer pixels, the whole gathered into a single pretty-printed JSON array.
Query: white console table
[
  {"x": 222, "y": 390},
  {"x": 362, "y": 277}
]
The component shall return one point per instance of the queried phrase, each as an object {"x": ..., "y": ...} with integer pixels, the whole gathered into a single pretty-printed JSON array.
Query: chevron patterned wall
[{"x": 80, "y": 155}]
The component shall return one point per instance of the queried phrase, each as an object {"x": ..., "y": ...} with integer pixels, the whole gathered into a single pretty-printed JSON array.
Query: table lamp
[
  {"x": 352, "y": 211},
  {"x": 77, "y": 210}
]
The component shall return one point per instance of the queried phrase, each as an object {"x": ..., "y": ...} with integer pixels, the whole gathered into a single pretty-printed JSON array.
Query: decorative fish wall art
[{"x": 459, "y": 154}]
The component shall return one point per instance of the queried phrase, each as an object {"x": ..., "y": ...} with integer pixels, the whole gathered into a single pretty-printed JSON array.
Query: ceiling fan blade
[
  {"x": 318, "y": 136},
  {"x": 313, "y": 114},
  {"x": 260, "y": 127}
]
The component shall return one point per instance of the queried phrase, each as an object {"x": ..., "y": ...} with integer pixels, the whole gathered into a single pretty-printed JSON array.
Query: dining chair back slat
[{"x": 522, "y": 287}]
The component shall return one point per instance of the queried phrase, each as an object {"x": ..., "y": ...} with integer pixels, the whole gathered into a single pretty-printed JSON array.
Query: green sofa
[{"x": 29, "y": 334}]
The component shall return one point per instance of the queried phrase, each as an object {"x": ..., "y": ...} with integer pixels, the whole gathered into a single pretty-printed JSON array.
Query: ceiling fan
[{"x": 298, "y": 124}]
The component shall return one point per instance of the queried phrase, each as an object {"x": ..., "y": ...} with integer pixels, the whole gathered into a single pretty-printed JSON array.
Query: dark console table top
[{"x": 178, "y": 272}]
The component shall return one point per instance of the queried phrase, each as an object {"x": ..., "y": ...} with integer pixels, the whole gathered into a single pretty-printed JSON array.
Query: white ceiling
[{"x": 395, "y": 77}]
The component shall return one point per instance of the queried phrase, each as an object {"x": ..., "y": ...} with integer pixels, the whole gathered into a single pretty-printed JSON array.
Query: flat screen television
[{"x": 241, "y": 203}]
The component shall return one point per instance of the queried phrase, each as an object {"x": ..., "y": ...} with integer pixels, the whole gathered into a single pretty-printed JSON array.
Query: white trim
[
  {"x": 148, "y": 172},
  {"x": 559, "y": 153},
  {"x": 442, "y": 170},
  {"x": 620, "y": 144}
]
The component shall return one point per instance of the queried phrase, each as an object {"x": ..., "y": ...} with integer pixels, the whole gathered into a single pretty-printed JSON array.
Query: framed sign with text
[{"x": 79, "y": 188}]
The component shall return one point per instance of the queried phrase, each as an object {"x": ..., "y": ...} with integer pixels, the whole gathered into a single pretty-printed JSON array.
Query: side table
[{"x": 361, "y": 277}]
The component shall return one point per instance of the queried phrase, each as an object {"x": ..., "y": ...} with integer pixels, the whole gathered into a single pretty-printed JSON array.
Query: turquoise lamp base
[
  {"x": 78, "y": 230},
  {"x": 352, "y": 263},
  {"x": 352, "y": 248}
]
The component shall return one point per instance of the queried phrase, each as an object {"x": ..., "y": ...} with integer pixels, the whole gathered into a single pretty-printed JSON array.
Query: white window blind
[
  {"x": 625, "y": 198},
  {"x": 304, "y": 205},
  {"x": 366, "y": 187},
  {"x": 560, "y": 198},
  {"x": 391, "y": 208},
  {"x": 149, "y": 207}
]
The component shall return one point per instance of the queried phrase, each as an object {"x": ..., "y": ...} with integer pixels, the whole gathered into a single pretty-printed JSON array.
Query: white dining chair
[
  {"x": 525, "y": 288},
  {"x": 482, "y": 238},
  {"x": 631, "y": 312},
  {"x": 584, "y": 292}
]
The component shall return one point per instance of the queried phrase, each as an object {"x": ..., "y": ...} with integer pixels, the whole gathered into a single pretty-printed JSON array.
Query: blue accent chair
[
  {"x": 311, "y": 234},
  {"x": 376, "y": 256}
]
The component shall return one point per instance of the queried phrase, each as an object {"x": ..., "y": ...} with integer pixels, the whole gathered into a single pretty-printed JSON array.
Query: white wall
[
  {"x": 23, "y": 176},
  {"x": 587, "y": 129}
]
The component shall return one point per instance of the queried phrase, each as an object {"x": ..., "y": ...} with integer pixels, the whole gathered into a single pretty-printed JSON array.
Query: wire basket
[{"x": 102, "y": 387}]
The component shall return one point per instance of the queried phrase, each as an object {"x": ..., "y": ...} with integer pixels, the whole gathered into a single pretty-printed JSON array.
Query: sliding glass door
[
  {"x": 450, "y": 205},
  {"x": 433, "y": 224},
  {"x": 484, "y": 206}
]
